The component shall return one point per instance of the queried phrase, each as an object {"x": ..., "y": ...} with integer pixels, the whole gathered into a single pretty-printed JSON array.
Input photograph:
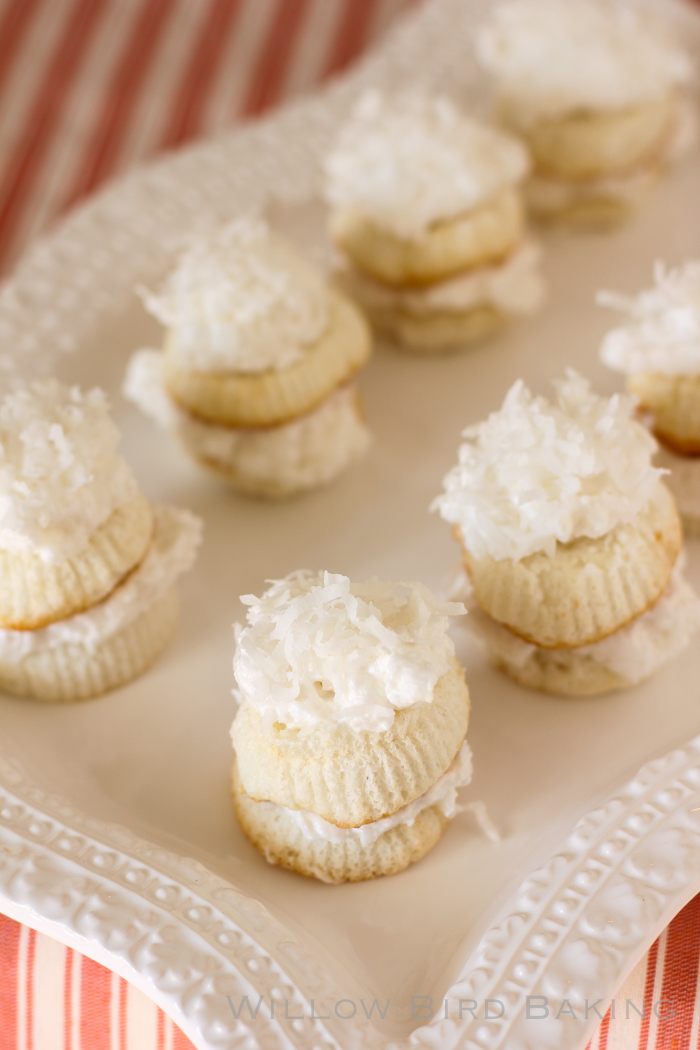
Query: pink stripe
[
  {"x": 31, "y": 950},
  {"x": 679, "y": 979},
  {"x": 351, "y": 35},
  {"x": 180, "y": 1040},
  {"x": 187, "y": 115},
  {"x": 268, "y": 76},
  {"x": 13, "y": 26},
  {"x": 95, "y": 1006},
  {"x": 160, "y": 1031},
  {"x": 9, "y": 959},
  {"x": 122, "y": 98},
  {"x": 25, "y": 164},
  {"x": 648, "y": 993},
  {"x": 123, "y": 994},
  {"x": 604, "y": 1031},
  {"x": 68, "y": 1000}
]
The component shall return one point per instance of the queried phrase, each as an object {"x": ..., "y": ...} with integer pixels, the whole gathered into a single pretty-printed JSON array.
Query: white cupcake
[
  {"x": 426, "y": 210},
  {"x": 657, "y": 348},
  {"x": 350, "y": 735},
  {"x": 88, "y": 566},
  {"x": 256, "y": 375},
  {"x": 596, "y": 90},
  {"x": 570, "y": 542}
]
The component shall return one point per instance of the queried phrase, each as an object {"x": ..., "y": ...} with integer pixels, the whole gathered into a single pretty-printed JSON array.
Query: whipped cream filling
[
  {"x": 173, "y": 549},
  {"x": 308, "y": 451},
  {"x": 515, "y": 286},
  {"x": 551, "y": 58},
  {"x": 443, "y": 793},
  {"x": 662, "y": 330},
  {"x": 407, "y": 161},
  {"x": 319, "y": 648},
  {"x": 60, "y": 475},
  {"x": 634, "y": 652},
  {"x": 538, "y": 472},
  {"x": 241, "y": 300}
]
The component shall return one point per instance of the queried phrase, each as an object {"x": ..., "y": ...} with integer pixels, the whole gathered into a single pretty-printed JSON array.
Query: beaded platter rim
[{"x": 183, "y": 935}]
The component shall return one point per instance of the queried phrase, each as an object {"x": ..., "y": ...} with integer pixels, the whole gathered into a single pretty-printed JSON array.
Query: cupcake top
[
  {"x": 662, "y": 331},
  {"x": 551, "y": 58},
  {"x": 319, "y": 648},
  {"x": 408, "y": 161},
  {"x": 537, "y": 472},
  {"x": 60, "y": 475},
  {"x": 241, "y": 300}
]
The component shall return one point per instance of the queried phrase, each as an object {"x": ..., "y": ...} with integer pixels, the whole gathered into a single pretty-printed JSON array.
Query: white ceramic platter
[{"x": 116, "y": 834}]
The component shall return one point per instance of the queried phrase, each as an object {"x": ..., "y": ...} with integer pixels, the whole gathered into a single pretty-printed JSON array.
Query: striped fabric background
[{"x": 87, "y": 89}]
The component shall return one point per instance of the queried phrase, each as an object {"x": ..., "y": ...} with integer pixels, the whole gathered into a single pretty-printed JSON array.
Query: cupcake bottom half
[
  {"x": 273, "y": 462},
  {"x": 274, "y": 831},
  {"x": 448, "y": 314},
  {"x": 75, "y": 671},
  {"x": 600, "y": 202},
  {"x": 116, "y": 640},
  {"x": 305, "y": 842},
  {"x": 623, "y": 659}
]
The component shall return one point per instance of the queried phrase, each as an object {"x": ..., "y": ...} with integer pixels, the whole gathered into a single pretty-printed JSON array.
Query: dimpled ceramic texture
[{"x": 116, "y": 831}]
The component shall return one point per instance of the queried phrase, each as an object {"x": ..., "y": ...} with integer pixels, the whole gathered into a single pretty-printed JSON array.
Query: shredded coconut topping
[
  {"x": 663, "y": 330},
  {"x": 551, "y": 58},
  {"x": 537, "y": 472},
  {"x": 411, "y": 160},
  {"x": 242, "y": 300},
  {"x": 60, "y": 475},
  {"x": 319, "y": 648}
]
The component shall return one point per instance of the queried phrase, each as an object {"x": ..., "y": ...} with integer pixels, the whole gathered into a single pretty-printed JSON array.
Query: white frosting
[
  {"x": 514, "y": 286},
  {"x": 662, "y": 333},
  {"x": 538, "y": 472},
  {"x": 443, "y": 794},
  {"x": 634, "y": 652},
  {"x": 409, "y": 161},
  {"x": 173, "y": 549},
  {"x": 552, "y": 57},
  {"x": 306, "y": 452},
  {"x": 242, "y": 300},
  {"x": 319, "y": 648},
  {"x": 60, "y": 475}
]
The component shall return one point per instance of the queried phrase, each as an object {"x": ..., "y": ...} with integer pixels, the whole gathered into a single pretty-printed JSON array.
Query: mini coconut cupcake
[
  {"x": 570, "y": 542},
  {"x": 255, "y": 376},
  {"x": 596, "y": 91},
  {"x": 88, "y": 566},
  {"x": 658, "y": 350},
  {"x": 350, "y": 735},
  {"x": 427, "y": 212}
]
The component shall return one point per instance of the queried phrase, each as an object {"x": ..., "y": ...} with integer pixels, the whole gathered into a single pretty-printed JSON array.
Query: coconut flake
[
  {"x": 408, "y": 161},
  {"x": 60, "y": 476},
  {"x": 241, "y": 300},
  {"x": 319, "y": 648},
  {"x": 663, "y": 330},
  {"x": 552, "y": 57},
  {"x": 536, "y": 473}
]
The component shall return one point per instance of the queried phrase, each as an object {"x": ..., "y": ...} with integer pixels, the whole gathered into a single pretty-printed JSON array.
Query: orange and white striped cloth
[
  {"x": 89, "y": 88},
  {"x": 52, "y": 998}
]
